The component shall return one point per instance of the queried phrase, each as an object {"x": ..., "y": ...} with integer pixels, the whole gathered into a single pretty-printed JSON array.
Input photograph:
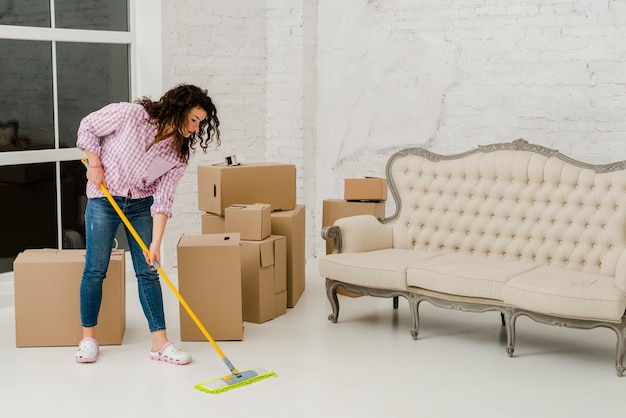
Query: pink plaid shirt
[{"x": 131, "y": 165}]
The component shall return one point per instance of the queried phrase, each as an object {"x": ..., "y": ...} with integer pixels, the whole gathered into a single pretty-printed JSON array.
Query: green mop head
[{"x": 233, "y": 381}]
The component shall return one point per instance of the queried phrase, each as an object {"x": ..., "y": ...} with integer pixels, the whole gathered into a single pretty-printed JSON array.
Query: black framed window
[{"x": 50, "y": 81}]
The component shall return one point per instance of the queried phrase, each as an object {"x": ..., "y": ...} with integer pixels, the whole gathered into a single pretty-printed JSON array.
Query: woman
[{"x": 139, "y": 151}]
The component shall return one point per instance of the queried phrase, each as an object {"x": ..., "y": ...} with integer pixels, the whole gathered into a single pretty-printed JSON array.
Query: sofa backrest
[{"x": 513, "y": 201}]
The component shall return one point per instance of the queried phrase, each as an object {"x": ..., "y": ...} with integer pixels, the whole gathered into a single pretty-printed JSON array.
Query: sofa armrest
[{"x": 358, "y": 234}]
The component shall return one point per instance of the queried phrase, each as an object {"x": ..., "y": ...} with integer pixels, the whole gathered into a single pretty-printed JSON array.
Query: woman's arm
[{"x": 159, "y": 220}]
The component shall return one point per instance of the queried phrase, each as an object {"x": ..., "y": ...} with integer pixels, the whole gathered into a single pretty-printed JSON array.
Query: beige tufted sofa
[{"x": 516, "y": 228}]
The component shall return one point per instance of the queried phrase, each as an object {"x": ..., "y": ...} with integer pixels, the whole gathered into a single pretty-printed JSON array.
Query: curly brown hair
[{"x": 169, "y": 113}]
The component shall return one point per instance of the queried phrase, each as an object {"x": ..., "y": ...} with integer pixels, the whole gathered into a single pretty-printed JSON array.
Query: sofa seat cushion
[
  {"x": 381, "y": 269},
  {"x": 465, "y": 275},
  {"x": 572, "y": 294}
]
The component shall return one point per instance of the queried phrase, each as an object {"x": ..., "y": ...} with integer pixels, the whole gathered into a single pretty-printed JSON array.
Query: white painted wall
[{"x": 336, "y": 86}]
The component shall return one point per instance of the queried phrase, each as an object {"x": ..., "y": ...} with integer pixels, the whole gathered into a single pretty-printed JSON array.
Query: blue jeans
[{"x": 101, "y": 224}]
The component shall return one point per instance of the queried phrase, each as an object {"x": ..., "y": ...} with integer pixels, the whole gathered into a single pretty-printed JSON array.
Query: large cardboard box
[
  {"x": 253, "y": 222},
  {"x": 209, "y": 279},
  {"x": 263, "y": 277},
  {"x": 292, "y": 225},
  {"x": 366, "y": 189},
  {"x": 333, "y": 209},
  {"x": 47, "y": 302},
  {"x": 212, "y": 223},
  {"x": 220, "y": 186}
]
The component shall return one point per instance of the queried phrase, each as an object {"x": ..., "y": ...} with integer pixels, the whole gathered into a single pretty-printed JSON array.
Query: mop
[{"x": 236, "y": 378}]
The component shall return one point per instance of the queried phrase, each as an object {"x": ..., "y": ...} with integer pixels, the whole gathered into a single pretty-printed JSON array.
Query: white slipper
[
  {"x": 171, "y": 354},
  {"x": 87, "y": 351}
]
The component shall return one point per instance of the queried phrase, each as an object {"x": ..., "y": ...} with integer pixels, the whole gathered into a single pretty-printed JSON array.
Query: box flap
[{"x": 266, "y": 249}]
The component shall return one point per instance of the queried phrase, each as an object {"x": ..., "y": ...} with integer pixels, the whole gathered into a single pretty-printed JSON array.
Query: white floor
[{"x": 366, "y": 365}]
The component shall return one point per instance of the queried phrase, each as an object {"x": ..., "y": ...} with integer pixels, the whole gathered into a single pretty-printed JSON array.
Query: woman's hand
[
  {"x": 95, "y": 174},
  {"x": 158, "y": 227},
  {"x": 155, "y": 254}
]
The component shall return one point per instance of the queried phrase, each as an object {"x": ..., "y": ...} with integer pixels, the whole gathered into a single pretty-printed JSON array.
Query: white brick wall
[{"x": 336, "y": 86}]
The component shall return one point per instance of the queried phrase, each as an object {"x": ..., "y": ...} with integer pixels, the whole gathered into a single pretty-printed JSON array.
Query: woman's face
[{"x": 192, "y": 121}]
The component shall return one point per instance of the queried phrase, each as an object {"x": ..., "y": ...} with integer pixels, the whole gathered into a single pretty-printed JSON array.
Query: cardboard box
[
  {"x": 263, "y": 278},
  {"x": 47, "y": 303},
  {"x": 365, "y": 189},
  {"x": 213, "y": 224},
  {"x": 209, "y": 279},
  {"x": 221, "y": 186},
  {"x": 333, "y": 209},
  {"x": 292, "y": 225},
  {"x": 253, "y": 222}
]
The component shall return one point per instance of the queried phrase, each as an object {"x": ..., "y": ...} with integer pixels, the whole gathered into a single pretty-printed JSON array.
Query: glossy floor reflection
[{"x": 366, "y": 365}]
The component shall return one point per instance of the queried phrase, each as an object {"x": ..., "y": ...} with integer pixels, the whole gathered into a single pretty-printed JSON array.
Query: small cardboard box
[
  {"x": 365, "y": 189},
  {"x": 213, "y": 224},
  {"x": 47, "y": 303},
  {"x": 209, "y": 279},
  {"x": 221, "y": 186},
  {"x": 292, "y": 225},
  {"x": 333, "y": 209},
  {"x": 263, "y": 277},
  {"x": 253, "y": 222}
]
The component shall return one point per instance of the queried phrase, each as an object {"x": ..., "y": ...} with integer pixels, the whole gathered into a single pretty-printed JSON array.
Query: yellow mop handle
[{"x": 160, "y": 270}]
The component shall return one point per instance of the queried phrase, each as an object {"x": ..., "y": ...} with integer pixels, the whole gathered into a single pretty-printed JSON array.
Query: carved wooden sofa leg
[
  {"x": 620, "y": 330},
  {"x": 508, "y": 320},
  {"x": 331, "y": 293}
]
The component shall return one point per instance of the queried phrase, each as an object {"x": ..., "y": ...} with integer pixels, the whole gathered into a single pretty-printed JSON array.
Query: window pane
[
  {"x": 25, "y": 13},
  {"x": 73, "y": 203},
  {"x": 26, "y": 95},
  {"x": 90, "y": 76},
  {"x": 28, "y": 217},
  {"x": 94, "y": 14}
]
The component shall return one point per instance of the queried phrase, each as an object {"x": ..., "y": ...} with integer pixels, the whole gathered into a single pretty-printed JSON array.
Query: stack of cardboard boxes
[
  {"x": 362, "y": 196},
  {"x": 254, "y": 205}
]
